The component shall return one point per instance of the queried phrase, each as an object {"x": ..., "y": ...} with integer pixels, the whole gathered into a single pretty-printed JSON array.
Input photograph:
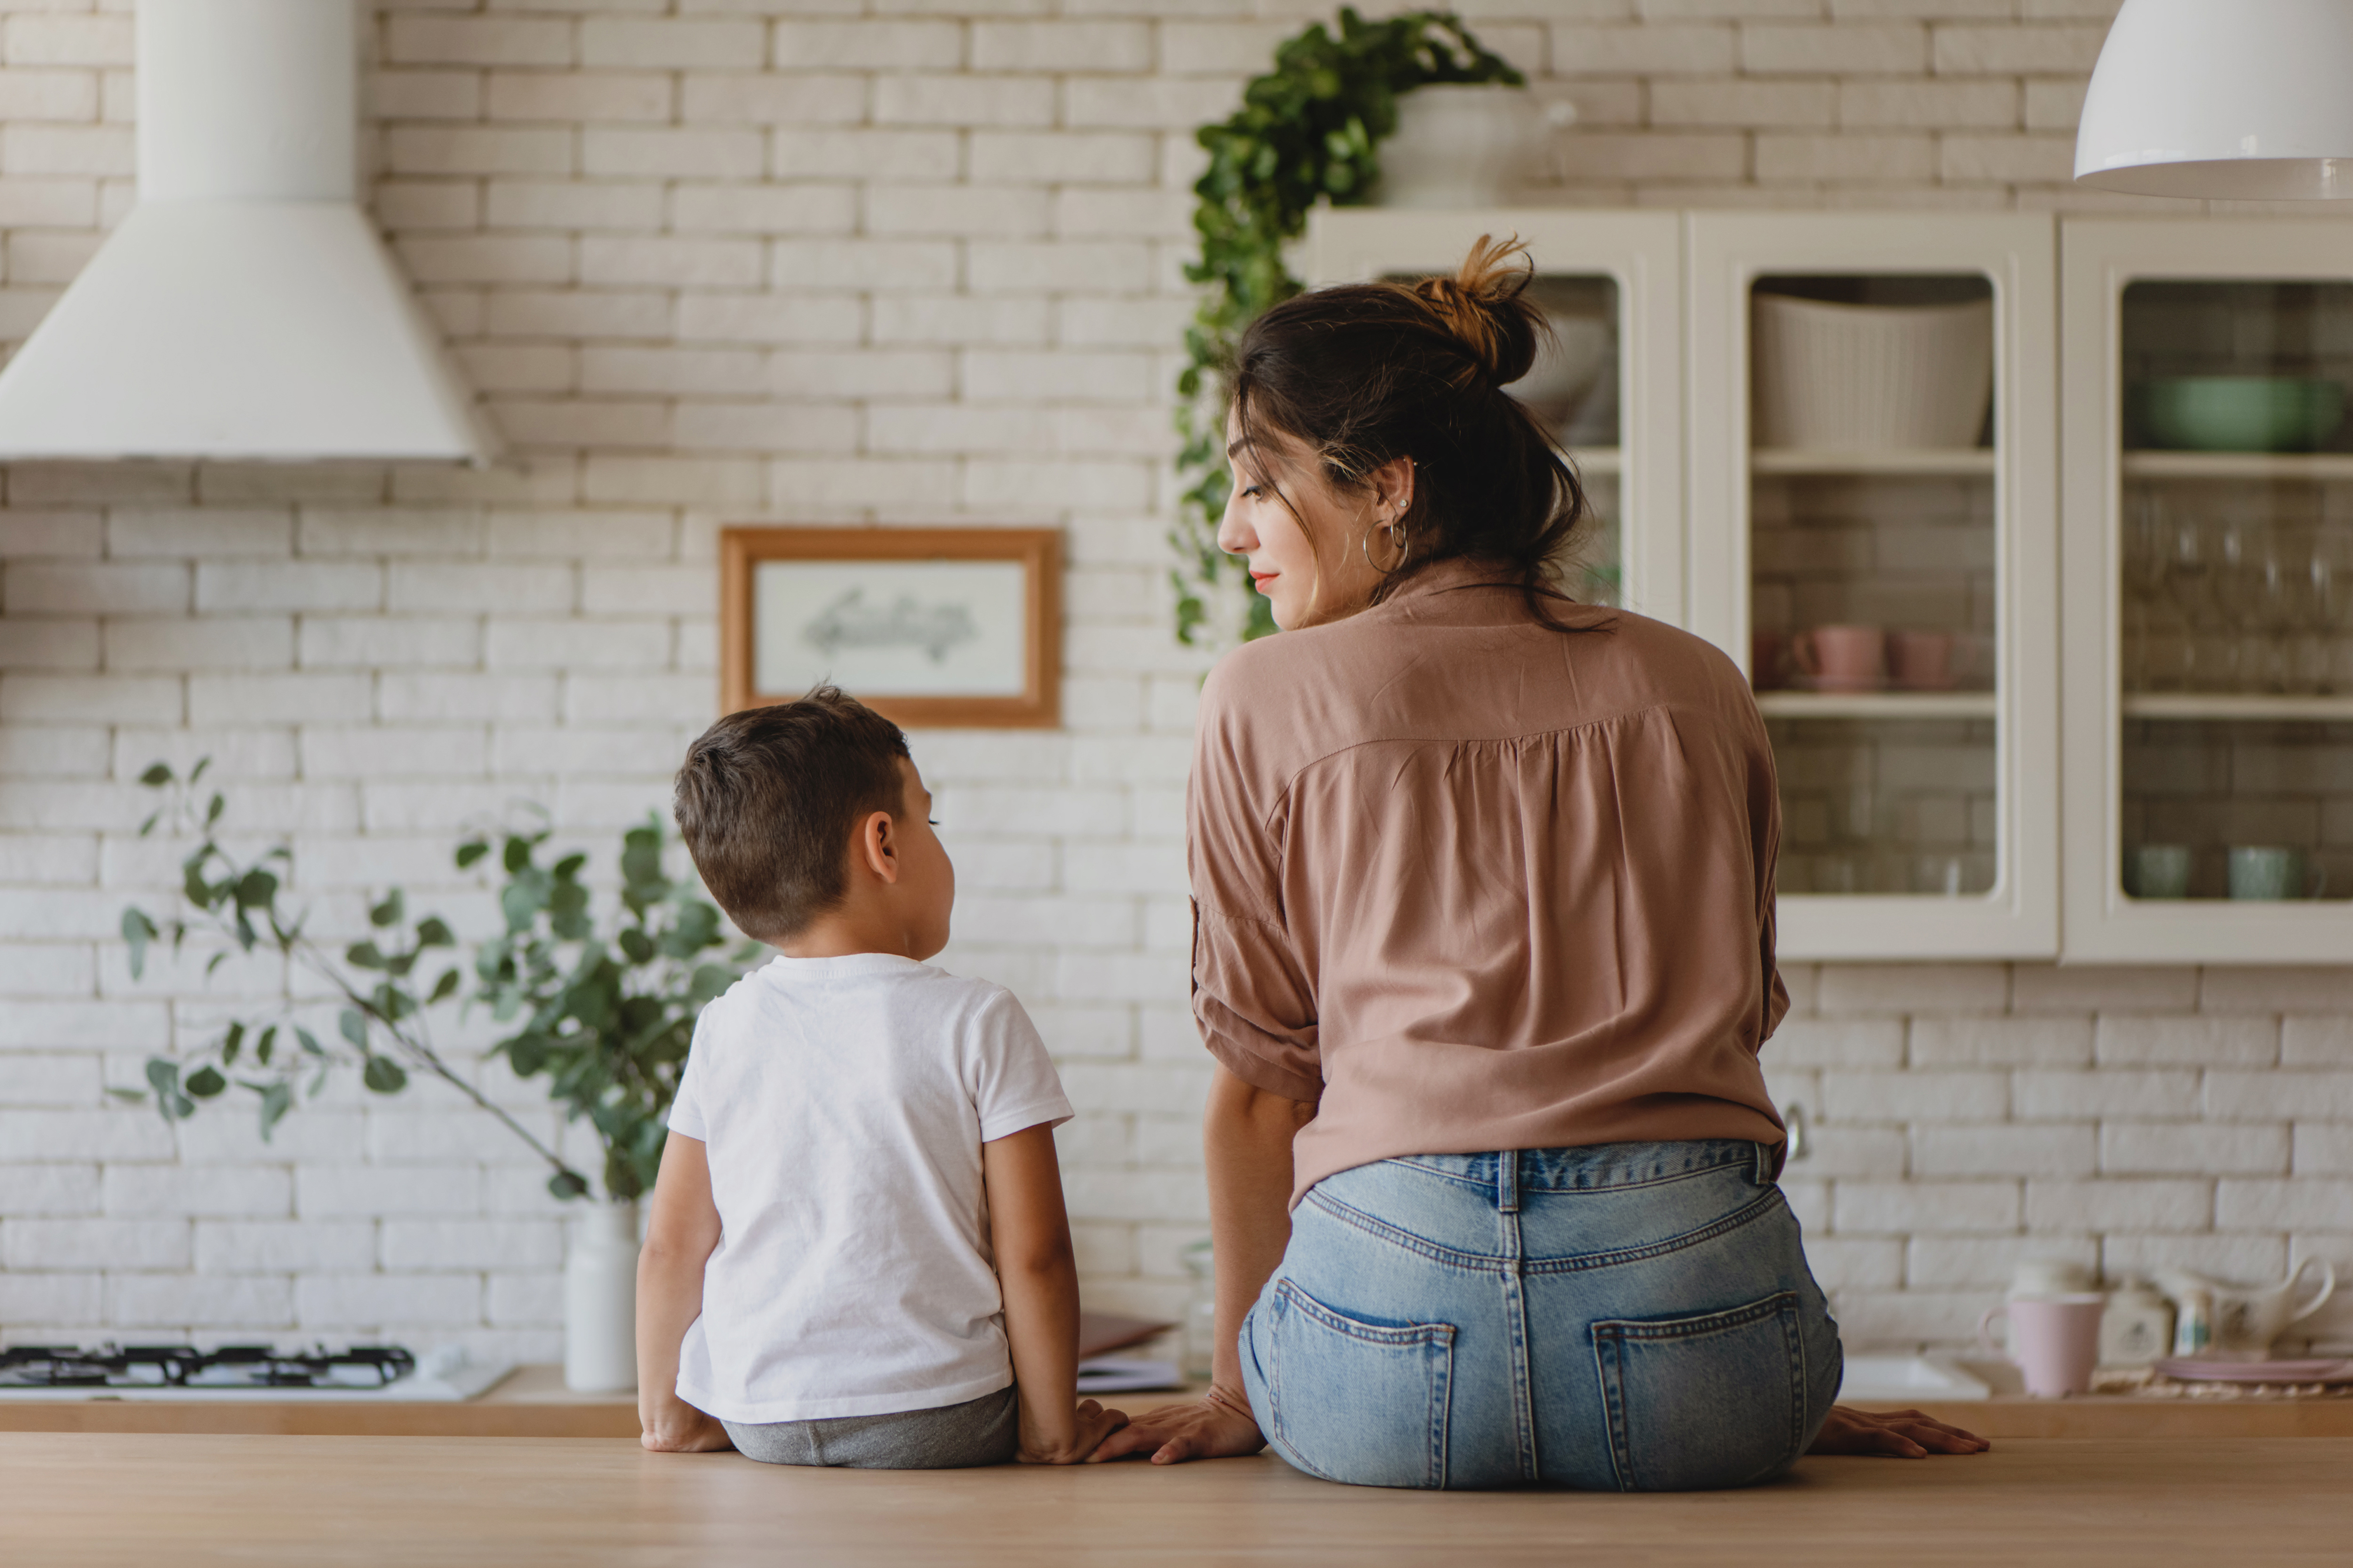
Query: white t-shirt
[{"x": 843, "y": 1102}]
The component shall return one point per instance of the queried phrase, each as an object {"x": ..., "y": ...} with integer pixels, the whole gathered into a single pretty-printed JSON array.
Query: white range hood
[{"x": 246, "y": 307}]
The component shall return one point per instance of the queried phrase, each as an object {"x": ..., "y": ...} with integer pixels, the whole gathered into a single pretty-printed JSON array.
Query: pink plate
[{"x": 2202, "y": 1371}]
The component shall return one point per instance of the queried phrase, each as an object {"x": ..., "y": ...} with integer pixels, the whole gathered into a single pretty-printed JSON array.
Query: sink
[{"x": 1905, "y": 1379}]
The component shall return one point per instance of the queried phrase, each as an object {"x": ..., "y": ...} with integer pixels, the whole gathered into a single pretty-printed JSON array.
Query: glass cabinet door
[
  {"x": 2211, "y": 591},
  {"x": 1871, "y": 537},
  {"x": 1606, "y": 386}
]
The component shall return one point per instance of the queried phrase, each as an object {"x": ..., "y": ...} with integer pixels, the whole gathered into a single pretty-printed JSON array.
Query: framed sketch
[{"x": 946, "y": 627}]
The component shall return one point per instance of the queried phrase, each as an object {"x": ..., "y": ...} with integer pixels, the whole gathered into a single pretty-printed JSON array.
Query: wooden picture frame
[{"x": 996, "y": 649}]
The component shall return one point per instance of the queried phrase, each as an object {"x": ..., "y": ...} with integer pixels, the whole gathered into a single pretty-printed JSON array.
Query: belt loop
[
  {"x": 1764, "y": 1164},
  {"x": 1508, "y": 1181}
]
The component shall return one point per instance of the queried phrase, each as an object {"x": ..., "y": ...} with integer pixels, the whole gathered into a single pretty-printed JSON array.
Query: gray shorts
[{"x": 984, "y": 1431}]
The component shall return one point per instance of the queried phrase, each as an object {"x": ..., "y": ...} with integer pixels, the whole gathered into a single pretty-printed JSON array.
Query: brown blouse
[{"x": 1467, "y": 883}]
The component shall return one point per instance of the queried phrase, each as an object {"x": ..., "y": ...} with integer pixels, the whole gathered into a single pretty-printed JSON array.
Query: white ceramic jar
[
  {"x": 1460, "y": 145},
  {"x": 2138, "y": 1327},
  {"x": 600, "y": 1301}
]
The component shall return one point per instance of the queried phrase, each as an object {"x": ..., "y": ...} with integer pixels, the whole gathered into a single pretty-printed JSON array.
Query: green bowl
[{"x": 2241, "y": 412}]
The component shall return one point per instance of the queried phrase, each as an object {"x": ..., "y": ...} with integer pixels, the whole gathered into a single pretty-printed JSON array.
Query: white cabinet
[
  {"x": 1873, "y": 535},
  {"x": 2209, "y": 591},
  {"x": 1831, "y": 443},
  {"x": 1612, "y": 284}
]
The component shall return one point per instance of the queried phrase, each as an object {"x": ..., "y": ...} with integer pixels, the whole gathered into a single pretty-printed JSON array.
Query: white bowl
[{"x": 1567, "y": 366}]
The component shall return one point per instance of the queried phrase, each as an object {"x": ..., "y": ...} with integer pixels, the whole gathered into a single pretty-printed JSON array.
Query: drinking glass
[
  {"x": 2197, "y": 659},
  {"x": 2148, "y": 624}
]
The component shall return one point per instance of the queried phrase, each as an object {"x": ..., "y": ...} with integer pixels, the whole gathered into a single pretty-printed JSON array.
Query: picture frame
[{"x": 931, "y": 627}]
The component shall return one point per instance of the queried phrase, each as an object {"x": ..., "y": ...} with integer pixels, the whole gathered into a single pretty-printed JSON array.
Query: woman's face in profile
[{"x": 1305, "y": 561}]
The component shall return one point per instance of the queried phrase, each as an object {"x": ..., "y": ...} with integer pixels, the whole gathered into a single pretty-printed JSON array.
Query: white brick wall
[{"x": 859, "y": 261}]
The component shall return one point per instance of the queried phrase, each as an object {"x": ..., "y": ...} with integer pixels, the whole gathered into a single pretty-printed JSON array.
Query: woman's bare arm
[
  {"x": 680, "y": 1236},
  {"x": 1246, "y": 1135},
  {"x": 1040, "y": 1279}
]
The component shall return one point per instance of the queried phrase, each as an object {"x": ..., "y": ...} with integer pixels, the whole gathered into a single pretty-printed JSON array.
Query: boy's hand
[
  {"x": 680, "y": 1428},
  {"x": 1091, "y": 1426}
]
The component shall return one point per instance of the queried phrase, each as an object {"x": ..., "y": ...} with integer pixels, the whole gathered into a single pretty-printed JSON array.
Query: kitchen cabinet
[
  {"x": 1916, "y": 620},
  {"x": 1872, "y": 536},
  {"x": 1611, "y": 387},
  {"x": 2209, "y": 591}
]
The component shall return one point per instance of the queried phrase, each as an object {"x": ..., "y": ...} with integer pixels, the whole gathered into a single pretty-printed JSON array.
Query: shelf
[
  {"x": 2230, "y": 706},
  {"x": 2238, "y": 465},
  {"x": 1878, "y": 704},
  {"x": 1595, "y": 460},
  {"x": 1958, "y": 461}
]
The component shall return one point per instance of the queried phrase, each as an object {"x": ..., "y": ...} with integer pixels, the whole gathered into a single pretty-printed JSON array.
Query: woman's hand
[
  {"x": 1219, "y": 1427},
  {"x": 678, "y": 1427},
  {"x": 1093, "y": 1423},
  {"x": 1898, "y": 1433}
]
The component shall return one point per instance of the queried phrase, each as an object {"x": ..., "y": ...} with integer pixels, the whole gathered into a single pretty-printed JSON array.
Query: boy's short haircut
[{"x": 768, "y": 798}]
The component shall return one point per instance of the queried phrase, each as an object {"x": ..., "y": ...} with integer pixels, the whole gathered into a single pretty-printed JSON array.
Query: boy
[{"x": 859, "y": 1214}]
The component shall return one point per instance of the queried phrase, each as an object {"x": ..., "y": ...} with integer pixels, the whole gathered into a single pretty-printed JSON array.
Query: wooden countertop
[
  {"x": 143, "y": 1498},
  {"x": 534, "y": 1403}
]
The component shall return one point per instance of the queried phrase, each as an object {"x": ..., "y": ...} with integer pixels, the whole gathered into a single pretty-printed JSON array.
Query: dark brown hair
[
  {"x": 1362, "y": 373},
  {"x": 768, "y": 799}
]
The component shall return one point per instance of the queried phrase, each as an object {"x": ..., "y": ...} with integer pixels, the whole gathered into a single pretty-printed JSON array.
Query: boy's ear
[{"x": 878, "y": 847}]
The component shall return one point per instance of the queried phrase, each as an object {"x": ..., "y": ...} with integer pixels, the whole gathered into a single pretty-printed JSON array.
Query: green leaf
[
  {"x": 432, "y": 931},
  {"x": 391, "y": 913},
  {"x": 138, "y": 931},
  {"x": 364, "y": 955},
  {"x": 473, "y": 850},
  {"x": 165, "y": 1076},
  {"x": 569, "y": 869},
  {"x": 517, "y": 853},
  {"x": 384, "y": 1075},
  {"x": 206, "y": 1082},
  {"x": 443, "y": 987},
  {"x": 354, "y": 1028},
  {"x": 710, "y": 982},
  {"x": 213, "y": 812},
  {"x": 231, "y": 1044},
  {"x": 277, "y": 1100},
  {"x": 157, "y": 775},
  {"x": 198, "y": 771},
  {"x": 255, "y": 890},
  {"x": 309, "y": 1041},
  {"x": 637, "y": 945},
  {"x": 266, "y": 1047},
  {"x": 568, "y": 1185}
]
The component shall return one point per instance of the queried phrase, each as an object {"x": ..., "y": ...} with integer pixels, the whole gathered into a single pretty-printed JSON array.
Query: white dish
[{"x": 1905, "y": 1379}]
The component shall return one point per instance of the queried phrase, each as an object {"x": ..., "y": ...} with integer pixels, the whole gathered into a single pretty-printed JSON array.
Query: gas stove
[{"x": 240, "y": 1372}]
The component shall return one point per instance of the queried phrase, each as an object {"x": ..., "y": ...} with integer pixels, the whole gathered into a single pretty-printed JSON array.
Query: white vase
[
  {"x": 600, "y": 1301},
  {"x": 1460, "y": 145}
]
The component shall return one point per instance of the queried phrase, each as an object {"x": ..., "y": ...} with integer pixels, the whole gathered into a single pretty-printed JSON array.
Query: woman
[{"x": 1483, "y": 948}]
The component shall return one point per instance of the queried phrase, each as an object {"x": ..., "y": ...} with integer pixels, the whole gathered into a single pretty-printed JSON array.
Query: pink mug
[
  {"x": 2054, "y": 1340},
  {"x": 1842, "y": 658},
  {"x": 1921, "y": 661}
]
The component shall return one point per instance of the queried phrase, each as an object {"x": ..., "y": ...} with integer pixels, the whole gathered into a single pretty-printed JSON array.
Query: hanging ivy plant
[{"x": 1308, "y": 131}]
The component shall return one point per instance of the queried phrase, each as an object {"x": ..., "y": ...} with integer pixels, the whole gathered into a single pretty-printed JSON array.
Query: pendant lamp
[{"x": 2246, "y": 99}]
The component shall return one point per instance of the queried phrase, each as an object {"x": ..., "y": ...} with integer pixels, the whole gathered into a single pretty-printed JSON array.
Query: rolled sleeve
[
  {"x": 1254, "y": 994},
  {"x": 1254, "y": 1007}
]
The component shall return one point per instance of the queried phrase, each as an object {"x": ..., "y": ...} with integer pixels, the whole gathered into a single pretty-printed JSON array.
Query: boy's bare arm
[
  {"x": 679, "y": 1237},
  {"x": 1040, "y": 1284}
]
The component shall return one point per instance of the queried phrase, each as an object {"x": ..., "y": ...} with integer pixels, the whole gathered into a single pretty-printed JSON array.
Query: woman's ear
[{"x": 1392, "y": 485}]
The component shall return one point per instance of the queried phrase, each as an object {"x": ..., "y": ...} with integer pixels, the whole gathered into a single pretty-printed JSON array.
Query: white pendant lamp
[{"x": 2247, "y": 99}]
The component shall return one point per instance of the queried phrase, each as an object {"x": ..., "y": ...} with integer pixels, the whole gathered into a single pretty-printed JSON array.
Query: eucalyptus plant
[
  {"x": 607, "y": 1020},
  {"x": 1307, "y": 132}
]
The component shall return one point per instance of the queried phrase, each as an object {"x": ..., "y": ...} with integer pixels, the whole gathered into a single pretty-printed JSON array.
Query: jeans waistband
[{"x": 1509, "y": 1173}]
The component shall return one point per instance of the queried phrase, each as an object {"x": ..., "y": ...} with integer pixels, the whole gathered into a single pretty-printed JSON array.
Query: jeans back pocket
[
  {"x": 1698, "y": 1402},
  {"x": 1357, "y": 1401}
]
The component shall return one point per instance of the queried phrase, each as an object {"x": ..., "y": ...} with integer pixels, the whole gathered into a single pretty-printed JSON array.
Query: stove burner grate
[{"x": 359, "y": 1367}]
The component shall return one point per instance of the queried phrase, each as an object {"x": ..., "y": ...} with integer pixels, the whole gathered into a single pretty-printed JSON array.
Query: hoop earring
[{"x": 1395, "y": 529}]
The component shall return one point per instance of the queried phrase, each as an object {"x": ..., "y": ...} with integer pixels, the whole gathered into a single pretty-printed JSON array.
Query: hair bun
[{"x": 1484, "y": 307}]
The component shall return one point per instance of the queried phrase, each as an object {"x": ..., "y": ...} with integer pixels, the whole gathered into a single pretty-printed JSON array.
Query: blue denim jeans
[{"x": 1625, "y": 1317}]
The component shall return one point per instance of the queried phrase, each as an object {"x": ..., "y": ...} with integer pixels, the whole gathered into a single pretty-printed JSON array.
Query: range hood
[{"x": 244, "y": 309}]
